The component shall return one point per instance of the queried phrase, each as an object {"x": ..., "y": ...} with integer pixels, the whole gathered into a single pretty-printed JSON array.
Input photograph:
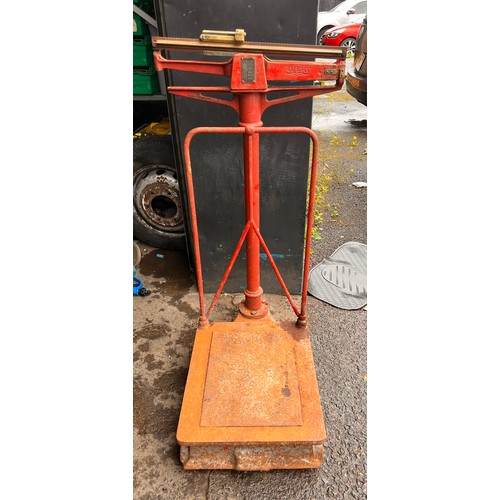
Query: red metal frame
[{"x": 249, "y": 74}]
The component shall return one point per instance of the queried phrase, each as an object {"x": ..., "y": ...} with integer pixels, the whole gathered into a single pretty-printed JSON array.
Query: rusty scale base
[{"x": 251, "y": 400}]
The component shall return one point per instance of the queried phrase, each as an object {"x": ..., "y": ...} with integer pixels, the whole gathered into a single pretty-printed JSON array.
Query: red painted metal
[
  {"x": 265, "y": 70},
  {"x": 276, "y": 270},
  {"x": 249, "y": 75},
  {"x": 310, "y": 207},
  {"x": 229, "y": 267},
  {"x": 250, "y": 117},
  {"x": 192, "y": 211},
  {"x": 251, "y": 227}
]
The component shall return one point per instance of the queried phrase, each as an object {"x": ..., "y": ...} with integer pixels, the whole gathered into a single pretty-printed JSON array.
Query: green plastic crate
[
  {"x": 141, "y": 27},
  {"x": 143, "y": 52},
  {"x": 146, "y": 82}
]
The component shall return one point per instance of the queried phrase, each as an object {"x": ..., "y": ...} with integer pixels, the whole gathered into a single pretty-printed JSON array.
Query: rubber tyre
[
  {"x": 321, "y": 33},
  {"x": 157, "y": 219}
]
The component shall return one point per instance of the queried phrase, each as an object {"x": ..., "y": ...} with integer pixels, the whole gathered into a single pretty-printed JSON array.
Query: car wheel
[
  {"x": 350, "y": 43},
  {"x": 157, "y": 208},
  {"x": 321, "y": 33}
]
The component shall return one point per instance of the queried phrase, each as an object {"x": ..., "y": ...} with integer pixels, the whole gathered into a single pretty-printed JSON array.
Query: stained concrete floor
[{"x": 165, "y": 323}]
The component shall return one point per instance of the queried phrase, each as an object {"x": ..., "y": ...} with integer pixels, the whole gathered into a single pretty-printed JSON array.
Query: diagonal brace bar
[{"x": 249, "y": 224}]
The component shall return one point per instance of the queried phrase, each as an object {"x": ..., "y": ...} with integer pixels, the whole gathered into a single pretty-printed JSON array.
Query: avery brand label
[{"x": 296, "y": 70}]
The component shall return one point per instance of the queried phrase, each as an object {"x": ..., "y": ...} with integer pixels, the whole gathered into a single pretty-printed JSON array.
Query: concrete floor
[{"x": 165, "y": 323}]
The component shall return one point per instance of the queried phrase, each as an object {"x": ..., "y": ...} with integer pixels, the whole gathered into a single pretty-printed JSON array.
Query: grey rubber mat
[{"x": 340, "y": 280}]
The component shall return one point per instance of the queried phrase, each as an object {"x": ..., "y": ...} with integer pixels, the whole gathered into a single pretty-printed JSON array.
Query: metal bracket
[
  {"x": 237, "y": 36},
  {"x": 145, "y": 16}
]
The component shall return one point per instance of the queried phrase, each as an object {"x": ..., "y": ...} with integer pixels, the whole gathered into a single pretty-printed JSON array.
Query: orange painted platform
[{"x": 251, "y": 400}]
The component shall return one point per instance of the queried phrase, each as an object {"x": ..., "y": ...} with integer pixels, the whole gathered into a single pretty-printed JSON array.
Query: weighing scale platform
[{"x": 251, "y": 400}]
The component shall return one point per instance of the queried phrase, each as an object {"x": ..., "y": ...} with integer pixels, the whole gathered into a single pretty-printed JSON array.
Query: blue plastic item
[{"x": 139, "y": 289}]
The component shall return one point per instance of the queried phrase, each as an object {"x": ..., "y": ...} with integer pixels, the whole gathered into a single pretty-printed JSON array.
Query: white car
[{"x": 349, "y": 11}]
